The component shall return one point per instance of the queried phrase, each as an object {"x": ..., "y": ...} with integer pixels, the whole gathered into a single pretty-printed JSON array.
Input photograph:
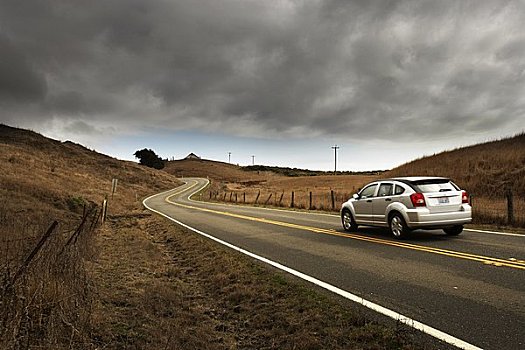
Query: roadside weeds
[{"x": 163, "y": 287}]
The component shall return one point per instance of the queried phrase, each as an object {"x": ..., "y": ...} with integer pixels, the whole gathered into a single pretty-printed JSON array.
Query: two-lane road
[{"x": 470, "y": 287}]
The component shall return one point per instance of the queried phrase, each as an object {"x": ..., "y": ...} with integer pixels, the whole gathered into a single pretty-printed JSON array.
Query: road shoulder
[{"x": 161, "y": 286}]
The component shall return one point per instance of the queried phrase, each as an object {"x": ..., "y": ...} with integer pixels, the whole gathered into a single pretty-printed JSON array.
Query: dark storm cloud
[
  {"x": 265, "y": 68},
  {"x": 19, "y": 81}
]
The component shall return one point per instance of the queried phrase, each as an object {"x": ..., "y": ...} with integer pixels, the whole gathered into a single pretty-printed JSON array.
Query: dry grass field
[
  {"x": 138, "y": 281},
  {"x": 46, "y": 291},
  {"x": 487, "y": 171},
  {"x": 232, "y": 181},
  {"x": 217, "y": 171},
  {"x": 164, "y": 288}
]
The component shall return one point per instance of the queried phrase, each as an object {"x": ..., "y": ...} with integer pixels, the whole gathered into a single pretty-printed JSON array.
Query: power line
[{"x": 335, "y": 148}]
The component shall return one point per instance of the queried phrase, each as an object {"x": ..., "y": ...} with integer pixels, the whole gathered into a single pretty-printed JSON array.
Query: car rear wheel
[
  {"x": 349, "y": 223},
  {"x": 454, "y": 230},
  {"x": 398, "y": 226}
]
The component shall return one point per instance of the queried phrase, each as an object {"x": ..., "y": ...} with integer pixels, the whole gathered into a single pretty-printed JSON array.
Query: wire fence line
[
  {"x": 504, "y": 210},
  {"x": 45, "y": 293}
]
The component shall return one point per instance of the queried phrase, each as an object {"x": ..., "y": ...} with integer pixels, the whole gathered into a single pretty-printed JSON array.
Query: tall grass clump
[{"x": 46, "y": 292}]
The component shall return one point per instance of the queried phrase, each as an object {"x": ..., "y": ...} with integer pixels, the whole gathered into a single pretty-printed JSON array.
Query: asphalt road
[{"x": 471, "y": 286}]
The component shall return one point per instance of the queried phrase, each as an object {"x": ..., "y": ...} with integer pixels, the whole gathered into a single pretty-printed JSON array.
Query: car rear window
[
  {"x": 399, "y": 190},
  {"x": 435, "y": 186}
]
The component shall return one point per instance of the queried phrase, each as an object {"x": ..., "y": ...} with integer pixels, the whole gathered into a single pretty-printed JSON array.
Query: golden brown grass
[
  {"x": 139, "y": 282},
  {"x": 217, "y": 171},
  {"x": 57, "y": 174},
  {"x": 231, "y": 181},
  {"x": 46, "y": 301},
  {"x": 486, "y": 171},
  {"x": 163, "y": 287},
  {"x": 46, "y": 294},
  {"x": 277, "y": 191}
]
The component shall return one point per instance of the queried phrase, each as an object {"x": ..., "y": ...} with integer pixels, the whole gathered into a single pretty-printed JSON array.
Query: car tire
[
  {"x": 454, "y": 230},
  {"x": 398, "y": 226},
  {"x": 348, "y": 221}
]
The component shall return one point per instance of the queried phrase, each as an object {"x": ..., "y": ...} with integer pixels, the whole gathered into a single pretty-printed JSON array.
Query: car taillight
[
  {"x": 418, "y": 200},
  {"x": 464, "y": 197}
]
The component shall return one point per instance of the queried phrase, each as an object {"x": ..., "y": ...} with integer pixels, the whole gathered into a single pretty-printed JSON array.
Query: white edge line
[
  {"x": 497, "y": 233},
  {"x": 347, "y": 295},
  {"x": 330, "y": 215}
]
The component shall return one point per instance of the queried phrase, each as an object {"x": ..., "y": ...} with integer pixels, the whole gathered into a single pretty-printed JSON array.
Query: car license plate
[{"x": 443, "y": 200}]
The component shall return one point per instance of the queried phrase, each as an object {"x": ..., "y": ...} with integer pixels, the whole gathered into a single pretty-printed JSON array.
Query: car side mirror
[{"x": 355, "y": 196}]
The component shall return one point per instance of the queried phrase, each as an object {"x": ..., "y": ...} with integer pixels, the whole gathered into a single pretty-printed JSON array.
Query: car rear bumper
[{"x": 423, "y": 218}]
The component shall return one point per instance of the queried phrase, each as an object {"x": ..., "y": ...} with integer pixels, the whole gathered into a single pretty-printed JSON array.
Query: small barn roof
[{"x": 192, "y": 156}]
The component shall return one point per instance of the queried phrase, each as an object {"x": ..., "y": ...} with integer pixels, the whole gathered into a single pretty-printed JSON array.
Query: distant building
[{"x": 192, "y": 156}]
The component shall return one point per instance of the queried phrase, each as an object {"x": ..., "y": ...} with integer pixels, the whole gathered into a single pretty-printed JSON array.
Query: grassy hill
[
  {"x": 257, "y": 183},
  {"x": 47, "y": 293},
  {"x": 40, "y": 175},
  {"x": 138, "y": 281},
  {"x": 485, "y": 169},
  {"x": 214, "y": 170}
]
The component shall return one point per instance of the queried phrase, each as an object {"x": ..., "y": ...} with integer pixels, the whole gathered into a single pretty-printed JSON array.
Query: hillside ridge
[
  {"x": 487, "y": 169},
  {"x": 42, "y": 175}
]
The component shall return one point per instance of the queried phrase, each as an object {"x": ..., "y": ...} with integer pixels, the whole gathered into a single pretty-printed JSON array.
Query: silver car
[{"x": 407, "y": 203}]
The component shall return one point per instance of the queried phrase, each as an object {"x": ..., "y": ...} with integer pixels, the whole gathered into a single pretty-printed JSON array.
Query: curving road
[{"x": 470, "y": 287}]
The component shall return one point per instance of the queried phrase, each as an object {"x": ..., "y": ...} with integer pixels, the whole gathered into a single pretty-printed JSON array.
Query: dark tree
[{"x": 148, "y": 158}]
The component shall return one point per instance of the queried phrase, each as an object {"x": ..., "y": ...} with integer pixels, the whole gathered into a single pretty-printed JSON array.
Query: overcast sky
[{"x": 388, "y": 81}]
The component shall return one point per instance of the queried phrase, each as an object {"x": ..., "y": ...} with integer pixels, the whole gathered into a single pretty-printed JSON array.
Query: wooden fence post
[
  {"x": 281, "y": 199},
  {"x": 510, "y": 207},
  {"x": 30, "y": 257},
  {"x": 235, "y": 197},
  {"x": 258, "y": 194},
  {"x": 270, "y": 196},
  {"x": 333, "y": 199},
  {"x": 114, "y": 183},
  {"x": 231, "y": 194},
  {"x": 244, "y": 197},
  {"x": 292, "y": 203},
  {"x": 104, "y": 210},
  {"x": 310, "y": 207}
]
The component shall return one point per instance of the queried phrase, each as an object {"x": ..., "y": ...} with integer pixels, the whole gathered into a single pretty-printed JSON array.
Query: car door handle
[{"x": 388, "y": 199}]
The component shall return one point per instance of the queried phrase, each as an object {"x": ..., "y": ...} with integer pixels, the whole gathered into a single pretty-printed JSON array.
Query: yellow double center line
[{"x": 517, "y": 264}]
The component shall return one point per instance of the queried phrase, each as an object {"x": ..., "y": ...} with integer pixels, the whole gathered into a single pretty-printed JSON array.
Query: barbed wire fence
[
  {"x": 45, "y": 288},
  {"x": 508, "y": 209}
]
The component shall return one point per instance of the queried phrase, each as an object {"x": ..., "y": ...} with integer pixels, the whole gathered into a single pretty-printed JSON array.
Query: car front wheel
[
  {"x": 349, "y": 223},
  {"x": 454, "y": 230},
  {"x": 398, "y": 226}
]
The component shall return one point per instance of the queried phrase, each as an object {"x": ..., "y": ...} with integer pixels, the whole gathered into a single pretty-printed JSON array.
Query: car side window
[
  {"x": 385, "y": 190},
  {"x": 399, "y": 190},
  {"x": 368, "y": 191}
]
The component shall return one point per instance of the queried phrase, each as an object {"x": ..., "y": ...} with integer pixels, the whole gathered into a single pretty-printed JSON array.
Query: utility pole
[
  {"x": 253, "y": 160},
  {"x": 335, "y": 148},
  {"x": 229, "y": 157}
]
